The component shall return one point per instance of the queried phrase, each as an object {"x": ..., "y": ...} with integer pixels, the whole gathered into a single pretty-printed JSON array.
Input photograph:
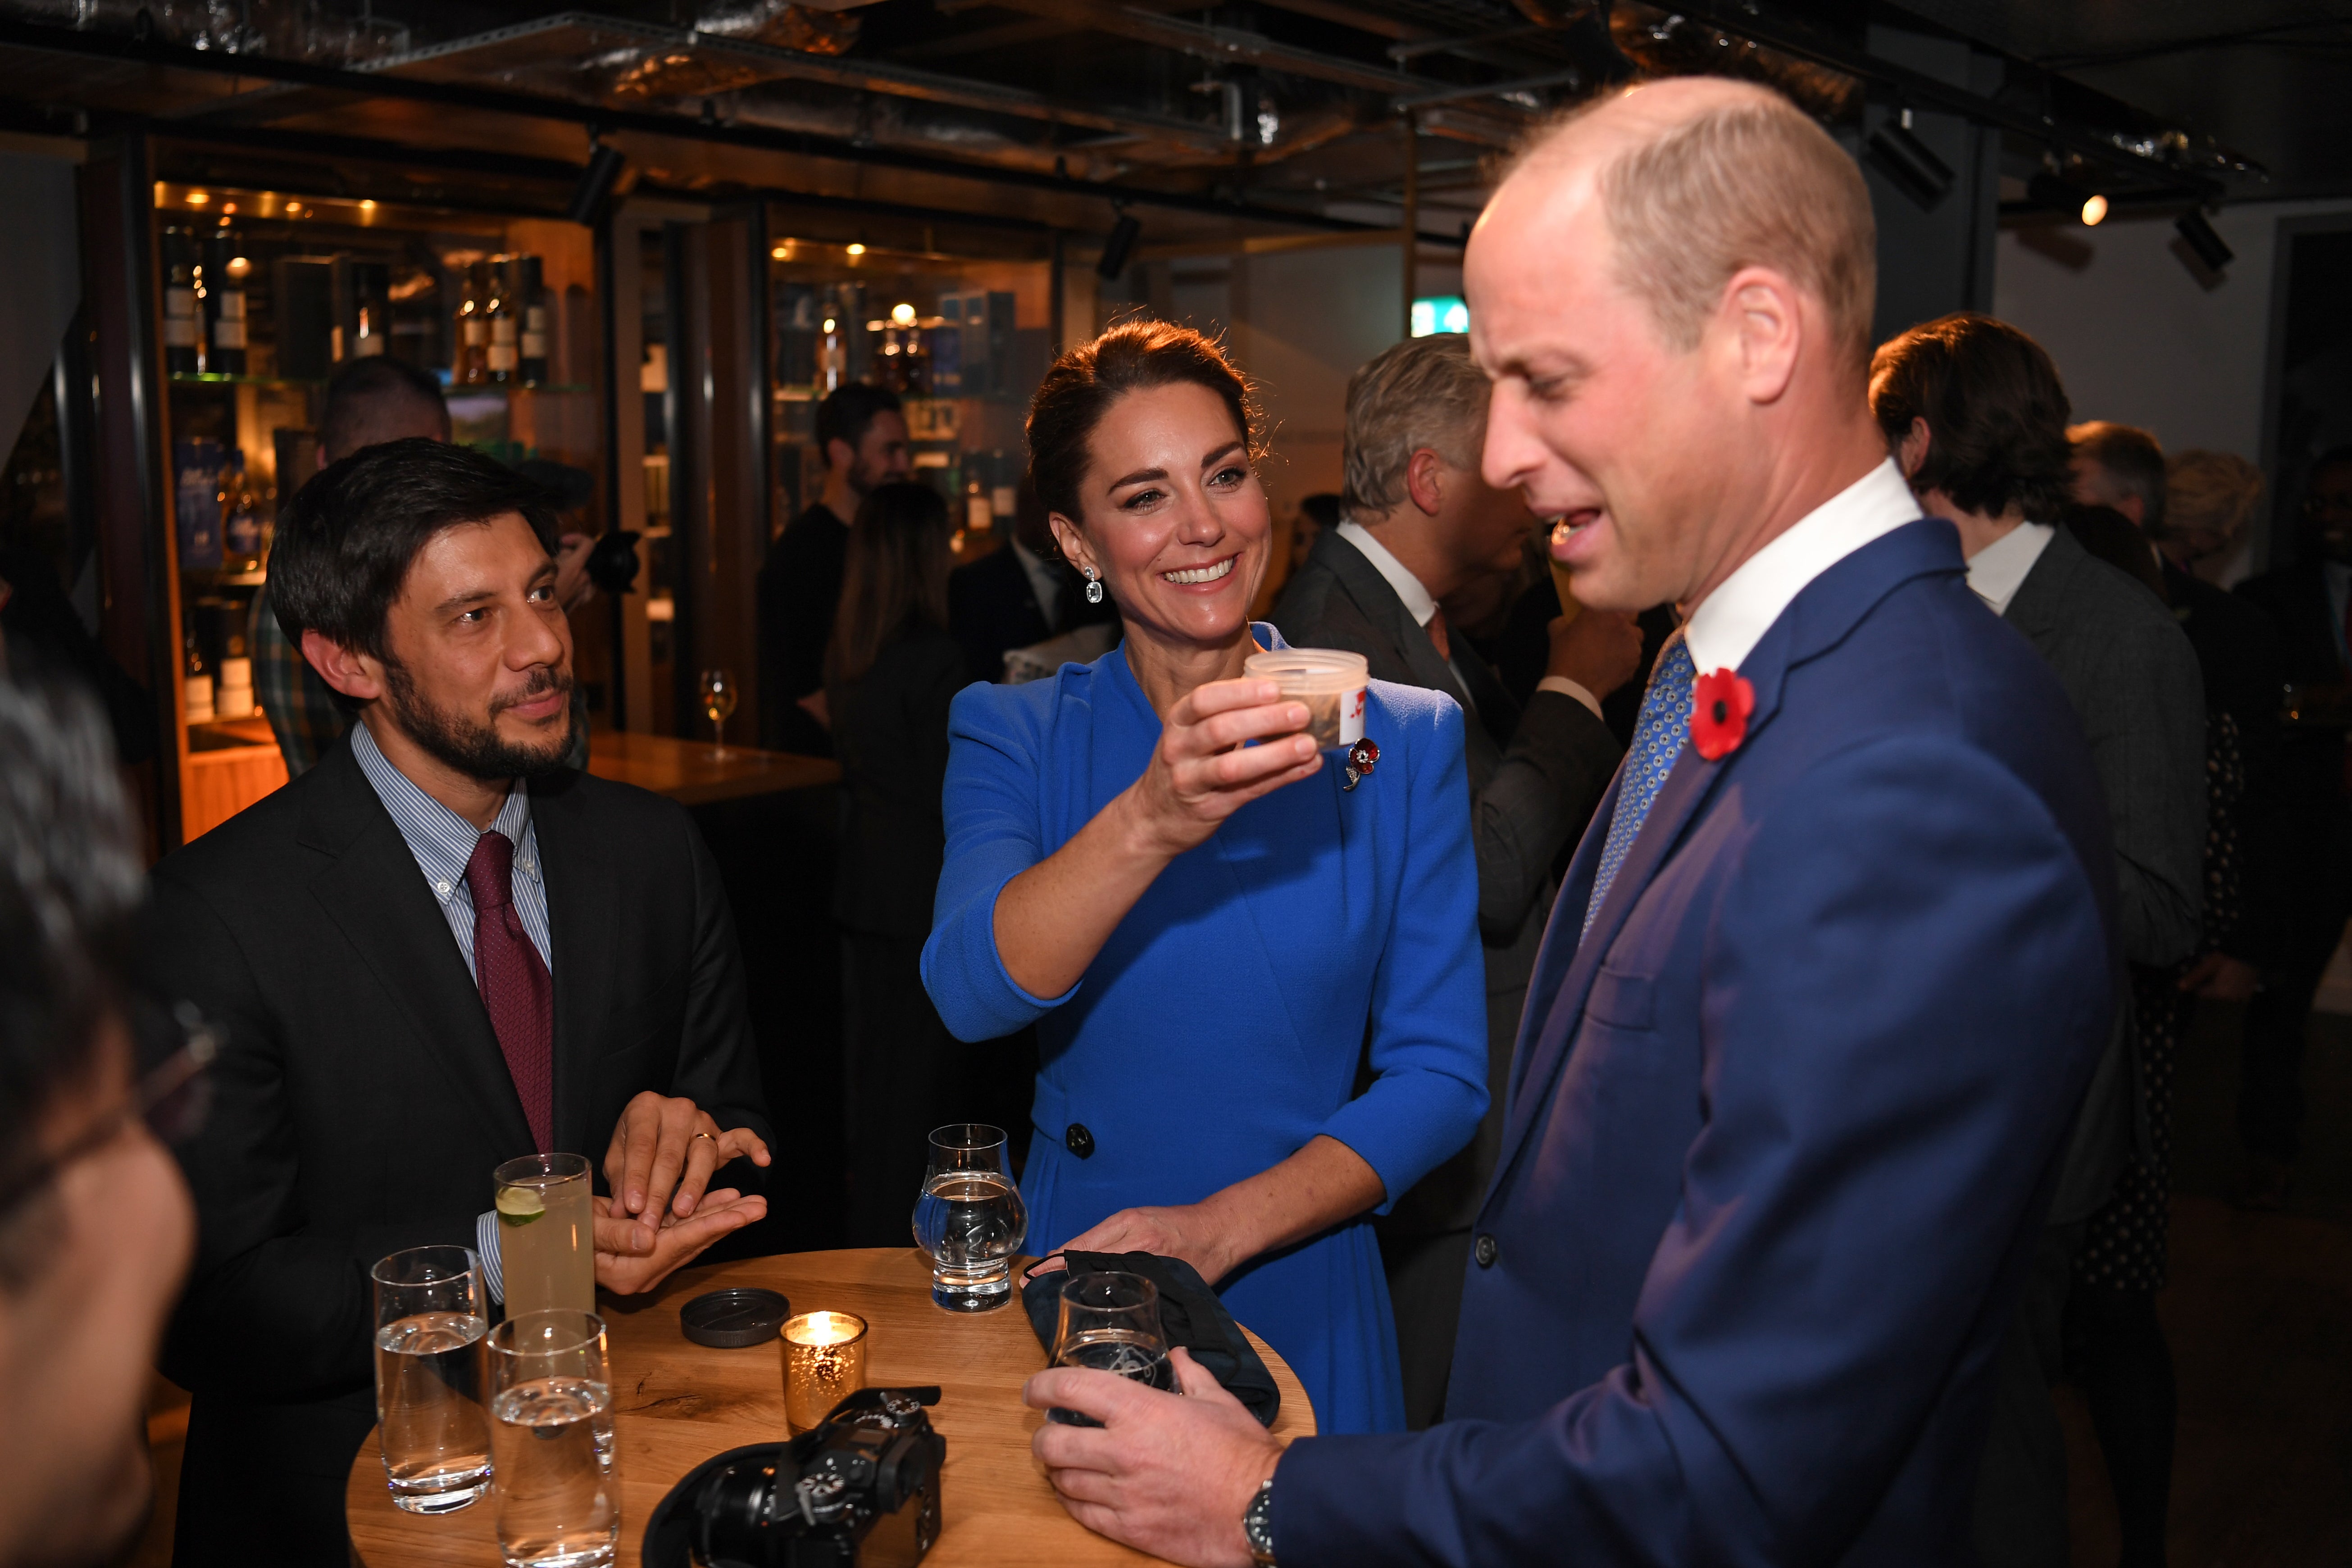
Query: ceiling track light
[
  {"x": 1909, "y": 164},
  {"x": 596, "y": 183},
  {"x": 2199, "y": 236}
]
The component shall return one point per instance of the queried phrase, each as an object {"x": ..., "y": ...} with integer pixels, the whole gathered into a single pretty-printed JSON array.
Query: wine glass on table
[
  {"x": 1110, "y": 1322},
  {"x": 718, "y": 695}
]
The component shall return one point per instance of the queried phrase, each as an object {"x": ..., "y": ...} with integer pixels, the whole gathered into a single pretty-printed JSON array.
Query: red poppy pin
[
  {"x": 1361, "y": 758},
  {"x": 1720, "y": 704}
]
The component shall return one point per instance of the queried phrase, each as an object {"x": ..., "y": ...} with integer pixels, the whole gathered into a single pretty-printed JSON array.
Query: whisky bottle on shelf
[
  {"x": 470, "y": 356},
  {"x": 226, "y": 267},
  {"x": 530, "y": 297},
  {"x": 184, "y": 319},
  {"x": 504, "y": 353}
]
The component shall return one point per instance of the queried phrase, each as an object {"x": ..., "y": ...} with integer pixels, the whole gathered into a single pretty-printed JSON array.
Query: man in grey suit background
[
  {"x": 1420, "y": 525},
  {"x": 1975, "y": 414}
]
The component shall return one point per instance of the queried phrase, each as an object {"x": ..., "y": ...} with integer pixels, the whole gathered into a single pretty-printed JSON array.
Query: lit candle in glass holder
[{"x": 824, "y": 1364}]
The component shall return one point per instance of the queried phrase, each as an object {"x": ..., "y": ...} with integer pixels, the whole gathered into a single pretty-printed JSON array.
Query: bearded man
[{"x": 438, "y": 950}]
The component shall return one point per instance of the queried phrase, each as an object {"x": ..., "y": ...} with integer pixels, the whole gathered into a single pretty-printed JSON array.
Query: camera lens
[{"x": 731, "y": 1519}]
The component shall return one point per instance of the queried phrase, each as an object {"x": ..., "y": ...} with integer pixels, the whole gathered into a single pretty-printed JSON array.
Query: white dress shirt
[
  {"x": 1998, "y": 571},
  {"x": 1421, "y": 606},
  {"x": 1728, "y": 623}
]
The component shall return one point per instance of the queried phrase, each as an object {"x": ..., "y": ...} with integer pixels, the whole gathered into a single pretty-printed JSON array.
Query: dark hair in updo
[{"x": 1133, "y": 357}]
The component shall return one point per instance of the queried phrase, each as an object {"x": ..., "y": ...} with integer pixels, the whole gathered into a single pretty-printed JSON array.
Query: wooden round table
[{"x": 676, "y": 1403}]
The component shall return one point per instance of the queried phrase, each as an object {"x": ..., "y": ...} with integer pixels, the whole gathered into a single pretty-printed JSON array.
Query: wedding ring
[{"x": 702, "y": 1135}]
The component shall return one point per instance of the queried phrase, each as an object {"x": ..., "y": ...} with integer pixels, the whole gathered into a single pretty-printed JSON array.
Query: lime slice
[{"x": 520, "y": 1206}]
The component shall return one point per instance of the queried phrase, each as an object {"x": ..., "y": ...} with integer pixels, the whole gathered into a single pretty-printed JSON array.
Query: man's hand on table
[
  {"x": 662, "y": 1154},
  {"x": 632, "y": 1255},
  {"x": 1165, "y": 1475}
]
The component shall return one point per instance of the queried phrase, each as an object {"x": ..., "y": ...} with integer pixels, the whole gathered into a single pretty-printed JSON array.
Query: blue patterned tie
[{"x": 1658, "y": 737}]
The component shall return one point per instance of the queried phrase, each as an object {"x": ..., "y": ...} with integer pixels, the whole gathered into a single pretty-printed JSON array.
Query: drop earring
[{"x": 1093, "y": 587}]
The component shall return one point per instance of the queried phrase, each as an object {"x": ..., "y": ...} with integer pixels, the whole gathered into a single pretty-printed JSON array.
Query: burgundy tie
[{"x": 515, "y": 984}]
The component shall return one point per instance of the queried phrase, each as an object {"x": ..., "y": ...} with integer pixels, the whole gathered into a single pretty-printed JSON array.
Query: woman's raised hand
[{"x": 1202, "y": 772}]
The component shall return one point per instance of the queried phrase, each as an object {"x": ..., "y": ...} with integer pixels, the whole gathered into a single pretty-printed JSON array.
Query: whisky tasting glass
[
  {"x": 429, "y": 1322},
  {"x": 720, "y": 695},
  {"x": 552, "y": 1432},
  {"x": 969, "y": 1218},
  {"x": 1110, "y": 1322}
]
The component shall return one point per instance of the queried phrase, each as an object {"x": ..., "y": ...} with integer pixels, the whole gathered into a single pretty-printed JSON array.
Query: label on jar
[{"x": 1351, "y": 716}]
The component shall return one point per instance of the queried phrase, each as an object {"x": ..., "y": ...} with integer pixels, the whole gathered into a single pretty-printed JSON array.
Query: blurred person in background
[
  {"x": 2307, "y": 601},
  {"x": 96, "y": 1227},
  {"x": 1421, "y": 525},
  {"x": 2211, "y": 499},
  {"x": 1975, "y": 414},
  {"x": 892, "y": 671},
  {"x": 1020, "y": 595},
  {"x": 1317, "y": 515},
  {"x": 861, "y": 432}
]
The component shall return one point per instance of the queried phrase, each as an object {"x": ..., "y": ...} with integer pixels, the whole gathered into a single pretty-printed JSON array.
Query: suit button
[
  {"x": 1078, "y": 1140},
  {"x": 1485, "y": 1251}
]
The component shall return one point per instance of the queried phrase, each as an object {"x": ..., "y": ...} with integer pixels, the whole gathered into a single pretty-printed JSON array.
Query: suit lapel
[
  {"x": 373, "y": 891},
  {"x": 1379, "y": 601},
  {"x": 583, "y": 911}
]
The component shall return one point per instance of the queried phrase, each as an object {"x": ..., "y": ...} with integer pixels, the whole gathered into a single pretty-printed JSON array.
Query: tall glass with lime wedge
[{"x": 547, "y": 1241}]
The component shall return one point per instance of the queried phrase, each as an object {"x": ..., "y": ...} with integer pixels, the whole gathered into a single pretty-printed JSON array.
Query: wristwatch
[{"x": 1257, "y": 1525}]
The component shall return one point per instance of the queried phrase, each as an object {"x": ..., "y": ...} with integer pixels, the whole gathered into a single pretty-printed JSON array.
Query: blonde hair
[
  {"x": 1424, "y": 392},
  {"x": 1751, "y": 181},
  {"x": 2212, "y": 493}
]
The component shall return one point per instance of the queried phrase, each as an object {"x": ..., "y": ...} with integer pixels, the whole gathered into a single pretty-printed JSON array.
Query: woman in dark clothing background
[{"x": 890, "y": 671}]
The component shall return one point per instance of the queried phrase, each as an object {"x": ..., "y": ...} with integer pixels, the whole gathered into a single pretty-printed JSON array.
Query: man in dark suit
[
  {"x": 1420, "y": 525},
  {"x": 1019, "y": 596},
  {"x": 862, "y": 433},
  {"x": 1824, "y": 983},
  {"x": 436, "y": 951},
  {"x": 1976, "y": 415},
  {"x": 2311, "y": 828}
]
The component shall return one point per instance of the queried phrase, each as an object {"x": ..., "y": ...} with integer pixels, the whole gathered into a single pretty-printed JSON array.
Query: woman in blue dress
[{"x": 1211, "y": 929}]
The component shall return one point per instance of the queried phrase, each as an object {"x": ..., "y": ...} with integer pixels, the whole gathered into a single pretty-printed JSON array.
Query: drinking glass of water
[
  {"x": 551, "y": 1431},
  {"x": 1110, "y": 1322},
  {"x": 429, "y": 1321},
  {"x": 970, "y": 1217}
]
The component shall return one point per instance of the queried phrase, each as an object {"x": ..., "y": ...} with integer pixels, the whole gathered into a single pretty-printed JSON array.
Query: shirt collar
[
  {"x": 1728, "y": 623},
  {"x": 1998, "y": 571},
  {"x": 441, "y": 840},
  {"x": 1043, "y": 581},
  {"x": 1417, "y": 601}
]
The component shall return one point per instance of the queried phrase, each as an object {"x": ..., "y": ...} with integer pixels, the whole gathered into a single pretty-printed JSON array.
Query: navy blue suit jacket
[{"x": 1782, "y": 1126}]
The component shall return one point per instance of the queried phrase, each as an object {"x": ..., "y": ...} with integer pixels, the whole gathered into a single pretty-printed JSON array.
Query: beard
[{"x": 473, "y": 746}]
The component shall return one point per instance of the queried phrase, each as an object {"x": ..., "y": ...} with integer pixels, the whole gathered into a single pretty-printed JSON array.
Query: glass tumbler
[
  {"x": 546, "y": 1233},
  {"x": 1110, "y": 1322},
  {"x": 551, "y": 1433},
  {"x": 969, "y": 1218},
  {"x": 429, "y": 1322}
]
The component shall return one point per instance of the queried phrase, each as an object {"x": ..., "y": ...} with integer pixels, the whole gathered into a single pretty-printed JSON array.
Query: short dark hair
[
  {"x": 345, "y": 546},
  {"x": 2133, "y": 457},
  {"x": 848, "y": 412},
  {"x": 1081, "y": 385},
  {"x": 70, "y": 887},
  {"x": 363, "y": 392},
  {"x": 1995, "y": 408}
]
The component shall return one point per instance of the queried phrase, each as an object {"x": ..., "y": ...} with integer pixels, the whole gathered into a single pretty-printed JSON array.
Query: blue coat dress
[{"x": 1221, "y": 1026}]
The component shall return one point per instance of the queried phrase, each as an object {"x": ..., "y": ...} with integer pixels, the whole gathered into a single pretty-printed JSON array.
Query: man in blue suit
[{"x": 1825, "y": 986}]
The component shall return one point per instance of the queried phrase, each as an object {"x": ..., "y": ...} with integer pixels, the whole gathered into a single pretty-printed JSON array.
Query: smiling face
[
  {"x": 1174, "y": 518},
  {"x": 1595, "y": 417},
  {"x": 478, "y": 671}
]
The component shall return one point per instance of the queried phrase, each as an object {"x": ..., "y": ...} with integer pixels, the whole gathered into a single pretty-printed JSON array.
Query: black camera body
[{"x": 861, "y": 1489}]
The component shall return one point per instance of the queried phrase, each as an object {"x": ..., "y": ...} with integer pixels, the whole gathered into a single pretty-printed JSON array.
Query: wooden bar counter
[
  {"x": 676, "y": 1403},
  {"x": 694, "y": 773}
]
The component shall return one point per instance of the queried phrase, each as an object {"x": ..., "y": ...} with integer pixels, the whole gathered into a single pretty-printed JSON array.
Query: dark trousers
[
  {"x": 1425, "y": 1274},
  {"x": 2021, "y": 1507},
  {"x": 2117, "y": 1355},
  {"x": 905, "y": 1074},
  {"x": 2317, "y": 898}
]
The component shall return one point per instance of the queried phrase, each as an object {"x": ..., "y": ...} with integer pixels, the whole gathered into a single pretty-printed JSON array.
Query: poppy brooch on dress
[
  {"x": 1720, "y": 704},
  {"x": 1361, "y": 758}
]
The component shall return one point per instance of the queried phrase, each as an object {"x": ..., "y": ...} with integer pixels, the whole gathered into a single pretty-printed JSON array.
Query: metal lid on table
[{"x": 729, "y": 1319}]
